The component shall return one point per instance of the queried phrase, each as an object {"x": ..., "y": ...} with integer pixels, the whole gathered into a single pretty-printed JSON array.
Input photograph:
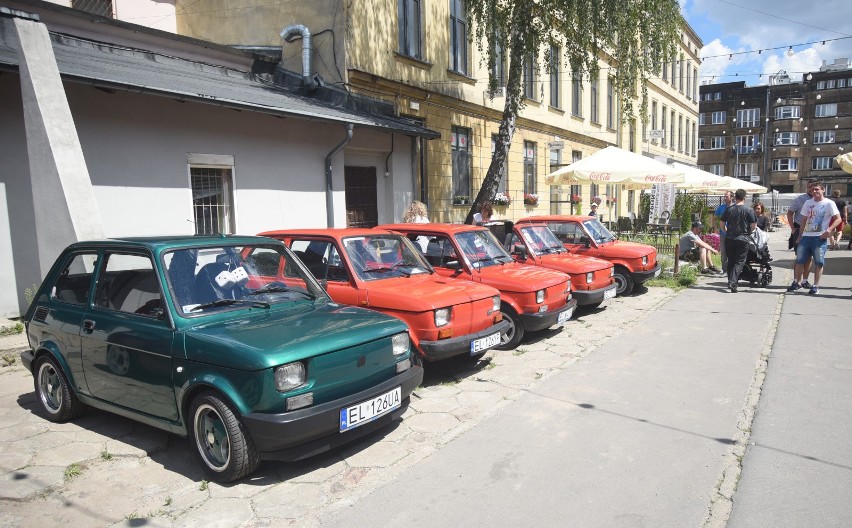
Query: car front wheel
[
  {"x": 54, "y": 393},
  {"x": 623, "y": 281},
  {"x": 219, "y": 439},
  {"x": 510, "y": 337}
]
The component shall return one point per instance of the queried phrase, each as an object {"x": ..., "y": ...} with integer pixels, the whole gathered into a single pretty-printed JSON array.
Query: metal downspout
[{"x": 329, "y": 201}]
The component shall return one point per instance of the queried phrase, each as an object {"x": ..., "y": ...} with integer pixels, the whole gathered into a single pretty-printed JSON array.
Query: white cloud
[{"x": 719, "y": 59}]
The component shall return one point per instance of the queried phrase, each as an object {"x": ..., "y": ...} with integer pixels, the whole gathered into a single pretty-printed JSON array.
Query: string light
[{"x": 790, "y": 51}]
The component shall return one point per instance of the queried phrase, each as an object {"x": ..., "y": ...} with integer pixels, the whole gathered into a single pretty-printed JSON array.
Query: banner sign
[{"x": 662, "y": 199}]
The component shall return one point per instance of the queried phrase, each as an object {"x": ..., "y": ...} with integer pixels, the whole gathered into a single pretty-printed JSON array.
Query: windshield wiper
[
  {"x": 482, "y": 259},
  {"x": 278, "y": 288},
  {"x": 393, "y": 268},
  {"x": 227, "y": 302},
  {"x": 556, "y": 249}
]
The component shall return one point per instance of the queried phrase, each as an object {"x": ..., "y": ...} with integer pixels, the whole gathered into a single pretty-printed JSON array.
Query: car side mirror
[
  {"x": 453, "y": 265},
  {"x": 587, "y": 243},
  {"x": 520, "y": 251}
]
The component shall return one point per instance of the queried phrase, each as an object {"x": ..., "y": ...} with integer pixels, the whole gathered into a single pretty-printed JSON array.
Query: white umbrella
[
  {"x": 845, "y": 161},
  {"x": 615, "y": 165},
  {"x": 697, "y": 180}
]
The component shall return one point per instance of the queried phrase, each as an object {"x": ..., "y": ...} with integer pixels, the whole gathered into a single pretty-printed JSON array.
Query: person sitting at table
[
  {"x": 692, "y": 249},
  {"x": 594, "y": 211}
]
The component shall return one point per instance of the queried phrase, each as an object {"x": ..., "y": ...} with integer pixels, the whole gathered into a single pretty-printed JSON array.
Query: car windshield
[
  {"x": 203, "y": 280},
  {"x": 598, "y": 231},
  {"x": 384, "y": 256},
  {"x": 481, "y": 249},
  {"x": 541, "y": 240}
]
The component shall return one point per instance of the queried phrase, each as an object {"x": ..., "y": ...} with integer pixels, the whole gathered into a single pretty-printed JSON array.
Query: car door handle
[{"x": 88, "y": 326}]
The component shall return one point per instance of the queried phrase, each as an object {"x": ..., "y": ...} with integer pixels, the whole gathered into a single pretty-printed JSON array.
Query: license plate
[
  {"x": 564, "y": 316},
  {"x": 609, "y": 294},
  {"x": 484, "y": 343},
  {"x": 365, "y": 412}
]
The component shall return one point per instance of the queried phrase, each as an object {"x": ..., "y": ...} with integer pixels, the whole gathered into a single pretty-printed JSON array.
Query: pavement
[{"x": 698, "y": 408}]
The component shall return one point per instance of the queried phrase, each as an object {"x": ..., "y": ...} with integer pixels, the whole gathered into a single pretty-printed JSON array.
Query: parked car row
[{"x": 257, "y": 349}]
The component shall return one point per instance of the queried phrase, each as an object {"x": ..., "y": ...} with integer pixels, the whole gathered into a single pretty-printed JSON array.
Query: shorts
[
  {"x": 811, "y": 246},
  {"x": 692, "y": 255},
  {"x": 839, "y": 228}
]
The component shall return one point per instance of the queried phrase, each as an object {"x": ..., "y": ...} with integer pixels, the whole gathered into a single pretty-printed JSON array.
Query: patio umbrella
[
  {"x": 615, "y": 165},
  {"x": 845, "y": 161},
  {"x": 697, "y": 180}
]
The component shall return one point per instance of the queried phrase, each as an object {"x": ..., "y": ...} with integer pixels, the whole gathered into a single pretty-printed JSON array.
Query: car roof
[
  {"x": 333, "y": 232},
  {"x": 554, "y": 218},
  {"x": 161, "y": 243},
  {"x": 437, "y": 226}
]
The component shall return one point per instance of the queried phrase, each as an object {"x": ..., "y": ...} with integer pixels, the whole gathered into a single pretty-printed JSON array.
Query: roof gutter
[{"x": 329, "y": 202}]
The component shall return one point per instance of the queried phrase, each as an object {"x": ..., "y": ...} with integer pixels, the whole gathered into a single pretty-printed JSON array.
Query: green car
[{"x": 226, "y": 340}]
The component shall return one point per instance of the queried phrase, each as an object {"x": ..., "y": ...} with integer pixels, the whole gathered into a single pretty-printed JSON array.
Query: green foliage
[
  {"x": 73, "y": 470},
  {"x": 13, "y": 329},
  {"x": 203, "y": 486},
  {"x": 686, "y": 205},
  {"x": 644, "y": 205}
]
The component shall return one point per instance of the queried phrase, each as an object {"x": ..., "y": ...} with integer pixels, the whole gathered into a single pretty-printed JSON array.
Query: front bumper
[
  {"x": 300, "y": 434},
  {"x": 586, "y": 297},
  {"x": 641, "y": 276},
  {"x": 456, "y": 346},
  {"x": 540, "y": 321}
]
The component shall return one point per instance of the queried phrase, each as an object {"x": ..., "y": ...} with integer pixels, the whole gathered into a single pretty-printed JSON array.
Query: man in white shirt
[{"x": 819, "y": 219}]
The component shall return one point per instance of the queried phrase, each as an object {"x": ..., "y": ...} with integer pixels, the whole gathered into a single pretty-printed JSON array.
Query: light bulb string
[{"x": 788, "y": 47}]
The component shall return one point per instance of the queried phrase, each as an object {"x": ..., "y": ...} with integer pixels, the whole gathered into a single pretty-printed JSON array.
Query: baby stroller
[{"x": 757, "y": 270}]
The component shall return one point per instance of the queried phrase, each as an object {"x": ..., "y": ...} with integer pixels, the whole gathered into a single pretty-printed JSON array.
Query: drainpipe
[
  {"x": 329, "y": 202},
  {"x": 289, "y": 34}
]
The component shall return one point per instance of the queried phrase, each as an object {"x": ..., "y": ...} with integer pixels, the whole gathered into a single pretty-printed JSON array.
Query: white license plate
[
  {"x": 565, "y": 316},
  {"x": 609, "y": 294},
  {"x": 657, "y": 273},
  {"x": 364, "y": 412},
  {"x": 484, "y": 343}
]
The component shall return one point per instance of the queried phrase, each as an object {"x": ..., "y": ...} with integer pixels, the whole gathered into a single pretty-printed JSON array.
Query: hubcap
[
  {"x": 50, "y": 389},
  {"x": 211, "y": 437},
  {"x": 507, "y": 336}
]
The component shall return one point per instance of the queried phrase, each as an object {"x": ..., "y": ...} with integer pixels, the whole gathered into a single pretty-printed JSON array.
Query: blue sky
[{"x": 736, "y": 26}]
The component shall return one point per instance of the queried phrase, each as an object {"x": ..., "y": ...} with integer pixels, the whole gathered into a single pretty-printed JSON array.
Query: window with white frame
[
  {"x": 717, "y": 142},
  {"x": 462, "y": 161},
  {"x": 458, "y": 37},
  {"x": 610, "y": 103},
  {"x": 829, "y": 84},
  {"x": 530, "y": 176},
  {"x": 717, "y": 96},
  {"x": 716, "y": 168},
  {"x": 410, "y": 28},
  {"x": 841, "y": 83},
  {"x": 824, "y": 136},
  {"x": 745, "y": 170},
  {"x": 826, "y": 110},
  {"x": 680, "y": 133},
  {"x": 786, "y": 138},
  {"x": 702, "y": 118},
  {"x": 748, "y": 117},
  {"x": 820, "y": 85},
  {"x": 785, "y": 164},
  {"x": 788, "y": 112},
  {"x": 821, "y": 163},
  {"x": 672, "y": 136},
  {"x": 663, "y": 127},
  {"x": 747, "y": 144},
  {"x": 212, "y": 199},
  {"x": 719, "y": 118}
]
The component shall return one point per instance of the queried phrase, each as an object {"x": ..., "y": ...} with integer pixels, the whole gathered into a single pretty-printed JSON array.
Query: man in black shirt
[{"x": 739, "y": 223}]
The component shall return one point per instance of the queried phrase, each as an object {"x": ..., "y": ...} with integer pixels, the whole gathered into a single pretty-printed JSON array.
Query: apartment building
[{"x": 781, "y": 134}]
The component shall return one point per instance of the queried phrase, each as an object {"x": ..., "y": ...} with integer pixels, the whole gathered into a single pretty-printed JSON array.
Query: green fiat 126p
[{"x": 227, "y": 340}]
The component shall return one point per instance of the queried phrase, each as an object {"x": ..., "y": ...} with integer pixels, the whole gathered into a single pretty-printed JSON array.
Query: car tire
[
  {"x": 511, "y": 337},
  {"x": 54, "y": 393},
  {"x": 623, "y": 281},
  {"x": 219, "y": 439}
]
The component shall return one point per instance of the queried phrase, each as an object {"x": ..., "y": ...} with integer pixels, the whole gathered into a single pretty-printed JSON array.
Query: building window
[
  {"x": 594, "y": 102},
  {"x": 829, "y": 84},
  {"x": 529, "y": 78},
  {"x": 702, "y": 119},
  {"x": 786, "y": 138},
  {"x": 711, "y": 143},
  {"x": 212, "y": 200},
  {"x": 610, "y": 103},
  {"x": 748, "y": 117},
  {"x": 663, "y": 126},
  {"x": 460, "y": 141},
  {"x": 785, "y": 164},
  {"x": 747, "y": 144},
  {"x": 821, "y": 163},
  {"x": 529, "y": 168},
  {"x": 824, "y": 136},
  {"x": 672, "y": 142},
  {"x": 410, "y": 28},
  {"x": 787, "y": 112},
  {"x": 96, "y": 7},
  {"x": 631, "y": 141},
  {"x": 554, "y": 77},
  {"x": 576, "y": 95},
  {"x": 694, "y": 83},
  {"x": 686, "y": 139},
  {"x": 719, "y": 118},
  {"x": 681, "y": 66},
  {"x": 692, "y": 138},
  {"x": 680, "y": 133},
  {"x": 674, "y": 74},
  {"x": 717, "y": 168},
  {"x": 820, "y": 85},
  {"x": 826, "y": 110},
  {"x": 458, "y": 37},
  {"x": 665, "y": 72},
  {"x": 841, "y": 83},
  {"x": 501, "y": 186},
  {"x": 499, "y": 70},
  {"x": 654, "y": 115},
  {"x": 745, "y": 171},
  {"x": 688, "y": 82}
]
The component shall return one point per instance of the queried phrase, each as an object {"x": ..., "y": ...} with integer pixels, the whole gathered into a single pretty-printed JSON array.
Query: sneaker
[
  {"x": 733, "y": 288},
  {"x": 714, "y": 269},
  {"x": 706, "y": 271},
  {"x": 814, "y": 290},
  {"x": 795, "y": 286},
  {"x": 806, "y": 284}
]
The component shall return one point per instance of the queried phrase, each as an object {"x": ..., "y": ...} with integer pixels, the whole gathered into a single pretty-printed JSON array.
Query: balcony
[{"x": 747, "y": 150}]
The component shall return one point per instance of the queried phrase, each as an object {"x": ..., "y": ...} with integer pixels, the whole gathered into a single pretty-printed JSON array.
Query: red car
[
  {"x": 534, "y": 244},
  {"x": 531, "y": 299},
  {"x": 586, "y": 235},
  {"x": 384, "y": 272}
]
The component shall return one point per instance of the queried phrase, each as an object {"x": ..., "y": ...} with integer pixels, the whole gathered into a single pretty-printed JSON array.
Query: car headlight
[
  {"x": 442, "y": 317},
  {"x": 539, "y": 296},
  {"x": 645, "y": 260},
  {"x": 399, "y": 344},
  {"x": 495, "y": 302},
  {"x": 289, "y": 376},
  {"x": 590, "y": 276}
]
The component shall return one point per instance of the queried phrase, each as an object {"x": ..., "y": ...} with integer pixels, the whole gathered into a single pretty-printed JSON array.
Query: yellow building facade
[{"x": 418, "y": 55}]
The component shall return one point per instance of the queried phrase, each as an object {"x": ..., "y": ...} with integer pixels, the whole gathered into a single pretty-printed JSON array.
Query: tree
[{"x": 635, "y": 37}]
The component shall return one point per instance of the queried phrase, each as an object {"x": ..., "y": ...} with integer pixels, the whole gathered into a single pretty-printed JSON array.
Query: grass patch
[
  {"x": 7, "y": 360},
  {"x": 13, "y": 329},
  {"x": 519, "y": 352},
  {"x": 203, "y": 486},
  {"x": 74, "y": 470},
  {"x": 106, "y": 455},
  {"x": 686, "y": 276},
  {"x": 490, "y": 365}
]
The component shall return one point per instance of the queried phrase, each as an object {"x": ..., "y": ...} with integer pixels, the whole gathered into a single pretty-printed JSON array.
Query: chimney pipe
[{"x": 289, "y": 34}]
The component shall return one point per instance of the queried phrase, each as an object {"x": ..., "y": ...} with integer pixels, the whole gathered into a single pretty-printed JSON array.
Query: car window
[
  {"x": 383, "y": 256},
  {"x": 127, "y": 283},
  {"x": 566, "y": 232},
  {"x": 540, "y": 240},
  {"x": 74, "y": 281},
  {"x": 482, "y": 249},
  {"x": 439, "y": 250},
  {"x": 321, "y": 258},
  {"x": 599, "y": 232}
]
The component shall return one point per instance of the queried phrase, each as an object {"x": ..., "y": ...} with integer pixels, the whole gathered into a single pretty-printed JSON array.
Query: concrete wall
[{"x": 136, "y": 149}]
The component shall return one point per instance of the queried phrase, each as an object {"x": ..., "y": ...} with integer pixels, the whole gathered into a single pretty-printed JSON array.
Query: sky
[{"x": 733, "y": 31}]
